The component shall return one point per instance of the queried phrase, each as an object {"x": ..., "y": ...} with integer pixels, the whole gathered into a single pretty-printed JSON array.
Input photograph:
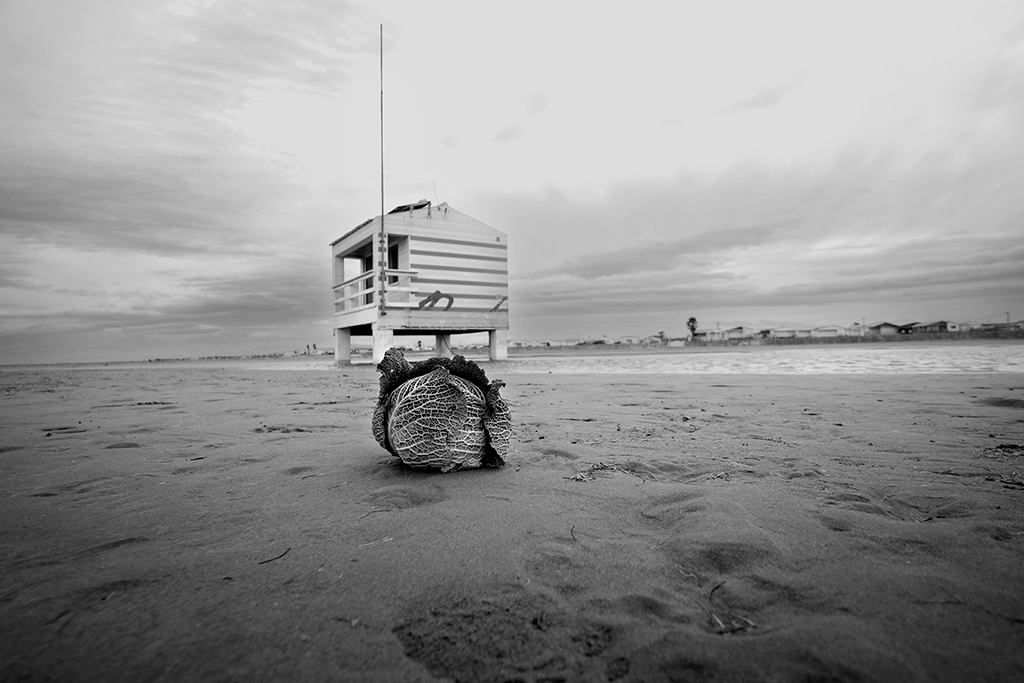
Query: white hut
[
  {"x": 782, "y": 332},
  {"x": 826, "y": 331},
  {"x": 423, "y": 270},
  {"x": 885, "y": 329},
  {"x": 938, "y": 326}
]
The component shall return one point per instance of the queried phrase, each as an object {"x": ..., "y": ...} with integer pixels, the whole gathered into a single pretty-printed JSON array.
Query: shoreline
[
  {"x": 753, "y": 346},
  {"x": 479, "y": 353}
]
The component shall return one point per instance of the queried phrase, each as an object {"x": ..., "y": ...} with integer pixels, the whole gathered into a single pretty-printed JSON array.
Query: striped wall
[{"x": 471, "y": 269}]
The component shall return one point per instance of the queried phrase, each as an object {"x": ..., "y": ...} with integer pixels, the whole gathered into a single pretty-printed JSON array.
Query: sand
[{"x": 231, "y": 523}]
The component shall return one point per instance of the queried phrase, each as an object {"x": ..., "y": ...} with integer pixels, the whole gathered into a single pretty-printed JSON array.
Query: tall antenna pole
[{"x": 382, "y": 246}]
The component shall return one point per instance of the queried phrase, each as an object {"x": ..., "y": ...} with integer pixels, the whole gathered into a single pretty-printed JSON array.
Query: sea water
[
  {"x": 805, "y": 359},
  {"x": 892, "y": 358}
]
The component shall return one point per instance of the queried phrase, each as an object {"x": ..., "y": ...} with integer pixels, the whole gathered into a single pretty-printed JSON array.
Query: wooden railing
[
  {"x": 399, "y": 292},
  {"x": 359, "y": 293},
  {"x": 355, "y": 293}
]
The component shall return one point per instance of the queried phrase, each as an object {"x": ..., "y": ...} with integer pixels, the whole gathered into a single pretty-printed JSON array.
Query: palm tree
[{"x": 692, "y": 324}]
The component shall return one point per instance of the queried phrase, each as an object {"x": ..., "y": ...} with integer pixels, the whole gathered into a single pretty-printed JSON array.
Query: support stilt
[
  {"x": 383, "y": 339},
  {"x": 343, "y": 346},
  {"x": 443, "y": 345},
  {"x": 498, "y": 344}
]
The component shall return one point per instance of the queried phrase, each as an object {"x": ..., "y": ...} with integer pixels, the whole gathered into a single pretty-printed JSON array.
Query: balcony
[{"x": 358, "y": 293}]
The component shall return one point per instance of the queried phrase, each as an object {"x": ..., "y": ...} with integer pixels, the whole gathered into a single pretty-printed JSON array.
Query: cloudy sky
[{"x": 171, "y": 173}]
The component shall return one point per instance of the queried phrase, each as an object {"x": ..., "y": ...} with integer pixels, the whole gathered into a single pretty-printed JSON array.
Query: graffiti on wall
[{"x": 432, "y": 300}]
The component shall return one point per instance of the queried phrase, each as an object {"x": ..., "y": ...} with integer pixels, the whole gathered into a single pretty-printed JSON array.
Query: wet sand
[{"x": 231, "y": 523}]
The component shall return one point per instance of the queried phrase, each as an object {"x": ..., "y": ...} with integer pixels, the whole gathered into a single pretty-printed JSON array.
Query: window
[{"x": 393, "y": 262}]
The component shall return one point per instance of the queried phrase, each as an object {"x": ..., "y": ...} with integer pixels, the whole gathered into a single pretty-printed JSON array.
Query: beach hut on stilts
[{"x": 420, "y": 270}]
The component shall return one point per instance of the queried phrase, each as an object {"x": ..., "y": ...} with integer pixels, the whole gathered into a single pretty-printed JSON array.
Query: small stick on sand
[
  {"x": 737, "y": 623},
  {"x": 274, "y": 558},
  {"x": 386, "y": 539}
]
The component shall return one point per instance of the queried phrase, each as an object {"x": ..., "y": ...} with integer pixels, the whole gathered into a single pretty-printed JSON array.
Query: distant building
[
  {"x": 740, "y": 332},
  {"x": 999, "y": 326},
  {"x": 828, "y": 331},
  {"x": 939, "y": 326},
  {"x": 884, "y": 329},
  {"x": 713, "y": 334}
]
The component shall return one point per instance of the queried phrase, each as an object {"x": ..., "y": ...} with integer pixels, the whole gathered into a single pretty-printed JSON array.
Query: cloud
[
  {"x": 509, "y": 133},
  {"x": 141, "y": 156},
  {"x": 235, "y": 45},
  {"x": 146, "y": 200},
  {"x": 764, "y": 98},
  {"x": 696, "y": 291},
  {"x": 866, "y": 230},
  {"x": 279, "y": 304},
  {"x": 663, "y": 256},
  {"x": 120, "y": 149},
  {"x": 536, "y": 103},
  {"x": 141, "y": 209}
]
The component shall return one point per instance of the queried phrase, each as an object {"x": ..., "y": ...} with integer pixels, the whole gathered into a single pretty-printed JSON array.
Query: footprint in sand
[
  {"x": 86, "y": 553},
  {"x": 857, "y": 502},
  {"x": 64, "y": 430},
  {"x": 726, "y": 582},
  {"x": 515, "y": 637},
  {"x": 672, "y": 509},
  {"x": 721, "y": 557},
  {"x": 643, "y": 608},
  {"x": 402, "y": 496},
  {"x": 119, "y": 543},
  {"x": 269, "y": 429},
  {"x": 559, "y": 453},
  {"x": 92, "y": 597},
  {"x": 557, "y": 563},
  {"x": 1002, "y": 402}
]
